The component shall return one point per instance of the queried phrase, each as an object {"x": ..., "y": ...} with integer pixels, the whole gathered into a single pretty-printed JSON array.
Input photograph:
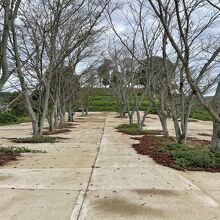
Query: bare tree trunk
[
  {"x": 121, "y": 114},
  {"x": 215, "y": 143},
  {"x": 83, "y": 110},
  {"x": 163, "y": 114},
  {"x": 184, "y": 125},
  {"x": 72, "y": 117},
  {"x": 51, "y": 117},
  {"x": 10, "y": 10},
  {"x": 50, "y": 73},
  {"x": 70, "y": 112},
  {"x": 35, "y": 126},
  {"x": 56, "y": 118},
  {"x": 61, "y": 118},
  {"x": 87, "y": 111},
  {"x": 163, "y": 121},
  {"x": 139, "y": 119},
  {"x": 62, "y": 115},
  {"x": 144, "y": 118},
  {"x": 175, "y": 121},
  {"x": 50, "y": 122},
  {"x": 124, "y": 110},
  {"x": 45, "y": 106},
  {"x": 130, "y": 115},
  {"x": 4, "y": 45}
]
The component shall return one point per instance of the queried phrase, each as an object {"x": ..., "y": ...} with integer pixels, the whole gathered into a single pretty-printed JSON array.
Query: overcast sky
[{"x": 121, "y": 19}]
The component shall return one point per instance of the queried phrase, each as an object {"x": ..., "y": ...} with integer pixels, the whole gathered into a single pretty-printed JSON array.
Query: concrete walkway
[{"x": 96, "y": 174}]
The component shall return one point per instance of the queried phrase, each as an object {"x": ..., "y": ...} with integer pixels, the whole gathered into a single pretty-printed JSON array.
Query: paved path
[{"x": 96, "y": 175}]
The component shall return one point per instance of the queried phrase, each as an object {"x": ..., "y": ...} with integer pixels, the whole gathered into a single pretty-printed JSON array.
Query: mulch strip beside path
[
  {"x": 56, "y": 140},
  {"x": 12, "y": 156},
  {"x": 150, "y": 145},
  {"x": 7, "y": 157}
]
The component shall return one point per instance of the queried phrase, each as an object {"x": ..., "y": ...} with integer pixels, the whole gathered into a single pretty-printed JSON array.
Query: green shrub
[
  {"x": 133, "y": 129},
  {"x": 129, "y": 128},
  {"x": 7, "y": 118},
  {"x": 18, "y": 104},
  {"x": 18, "y": 150},
  {"x": 192, "y": 156},
  {"x": 36, "y": 139},
  {"x": 198, "y": 112}
]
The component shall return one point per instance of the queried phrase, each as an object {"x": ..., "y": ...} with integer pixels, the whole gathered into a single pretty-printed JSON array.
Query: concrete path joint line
[{"x": 82, "y": 196}]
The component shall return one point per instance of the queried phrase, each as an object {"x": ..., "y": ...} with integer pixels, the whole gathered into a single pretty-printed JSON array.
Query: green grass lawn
[
  {"x": 102, "y": 99},
  {"x": 103, "y": 103}
]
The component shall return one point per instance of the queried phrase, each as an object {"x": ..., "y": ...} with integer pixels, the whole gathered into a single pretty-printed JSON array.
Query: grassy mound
[{"x": 133, "y": 129}]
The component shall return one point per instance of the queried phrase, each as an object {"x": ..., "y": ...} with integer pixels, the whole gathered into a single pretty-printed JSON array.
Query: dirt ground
[{"x": 96, "y": 174}]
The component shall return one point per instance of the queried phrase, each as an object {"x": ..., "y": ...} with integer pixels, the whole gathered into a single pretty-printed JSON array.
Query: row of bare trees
[
  {"x": 167, "y": 54},
  {"x": 42, "y": 44},
  {"x": 171, "y": 51}
]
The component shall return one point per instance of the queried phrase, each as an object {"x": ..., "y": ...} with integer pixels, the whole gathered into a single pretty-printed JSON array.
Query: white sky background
[{"x": 123, "y": 28}]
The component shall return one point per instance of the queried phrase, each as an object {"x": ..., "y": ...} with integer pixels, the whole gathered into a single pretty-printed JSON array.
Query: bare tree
[
  {"x": 8, "y": 13},
  {"x": 120, "y": 73},
  {"x": 198, "y": 53},
  {"x": 56, "y": 29},
  {"x": 154, "y": 75},
  {"x": 142, "y": 42}
]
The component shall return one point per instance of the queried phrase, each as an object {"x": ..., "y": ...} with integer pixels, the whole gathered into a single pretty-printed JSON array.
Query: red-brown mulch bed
[
  {"x": 150, "y": 145},
  {"x": 7, "y": 157}
]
